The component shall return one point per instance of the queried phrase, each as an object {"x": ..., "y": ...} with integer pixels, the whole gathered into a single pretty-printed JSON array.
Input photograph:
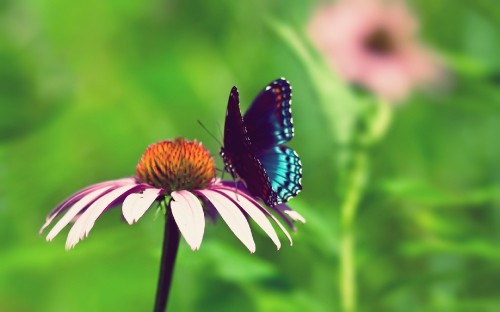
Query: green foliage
[{"x": 86, "y": 86}]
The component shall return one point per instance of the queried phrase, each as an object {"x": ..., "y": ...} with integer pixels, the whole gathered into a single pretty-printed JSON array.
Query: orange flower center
[{"x": 176, "y": 165}]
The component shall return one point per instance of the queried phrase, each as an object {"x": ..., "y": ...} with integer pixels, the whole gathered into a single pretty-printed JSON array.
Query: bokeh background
[{"x": 85, "y": 86}]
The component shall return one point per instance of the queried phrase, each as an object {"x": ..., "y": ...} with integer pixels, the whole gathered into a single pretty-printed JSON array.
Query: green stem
[
  {"x": 169, "y": 252},
  {"x": 344, "y": 110},
  {"x": 356, "y": 183}
]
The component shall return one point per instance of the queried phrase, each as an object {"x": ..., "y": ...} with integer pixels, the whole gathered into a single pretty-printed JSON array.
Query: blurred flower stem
[
  {"x": 355, "y": 186},
  {"x": 169, "y": 252},
  {"x": 374, "y": 120},
  {"x": 356, "y": 123}
]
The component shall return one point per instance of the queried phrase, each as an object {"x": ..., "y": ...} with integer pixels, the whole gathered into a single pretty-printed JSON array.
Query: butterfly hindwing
[
  {"x": 283, "y": 166},
  {"x": 269, "y": 119}
]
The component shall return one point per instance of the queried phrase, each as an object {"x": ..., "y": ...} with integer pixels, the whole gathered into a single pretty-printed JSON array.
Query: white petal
[
  {"x": 295, "y": 215},
  {"x": 84, "y": 224},
  {"x": 64, "y": 205},
  {"x": 256, "y": 214},
  {"x": 281, "y": 227},
  {"x": 263, "y": 209},
  {"x": 233, "y": 216},
  {"x": 67, "y": 203},
  {"x": 48, "y": 221},
  {"x": 74, "y": 210},
  {"x": 135, "y": 205},
  {"x": 188, "y": 214}
]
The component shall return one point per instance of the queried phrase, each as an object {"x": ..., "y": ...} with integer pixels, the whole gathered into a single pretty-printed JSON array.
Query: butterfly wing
[
  {"x": 269, "y": 124},
  {"x": 269, "y": 119},
  {"x": 239, "y": 157},
  {"x": 284, "y": 169},
  {"x": 235, "y": 134}
]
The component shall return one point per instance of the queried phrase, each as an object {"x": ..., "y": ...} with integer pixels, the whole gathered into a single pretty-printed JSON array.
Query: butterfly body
[{"x": 253, "y": 147}]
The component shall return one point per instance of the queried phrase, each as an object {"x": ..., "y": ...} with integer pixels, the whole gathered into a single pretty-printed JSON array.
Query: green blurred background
[{"x": 85, "y": 86}]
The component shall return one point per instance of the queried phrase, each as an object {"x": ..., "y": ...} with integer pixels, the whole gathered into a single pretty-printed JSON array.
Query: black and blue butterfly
[{"x": 253, "y": 149}]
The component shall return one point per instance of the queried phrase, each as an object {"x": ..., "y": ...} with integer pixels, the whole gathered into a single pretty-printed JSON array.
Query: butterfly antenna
[
  {"x": 215, "y": 138},
  {"x": 210, "y": 133},
  {"x": 220, "y": 130}
]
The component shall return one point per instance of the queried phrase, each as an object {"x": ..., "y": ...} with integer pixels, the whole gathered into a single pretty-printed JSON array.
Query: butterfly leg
[
  {"x": 223, "y": 171},
  {"x": 236, "y": 186}
]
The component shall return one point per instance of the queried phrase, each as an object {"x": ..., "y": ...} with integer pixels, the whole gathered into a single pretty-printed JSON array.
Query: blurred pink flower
[
  {"x": 182, "y": 174},
  {"x": 374, "y": 43}
]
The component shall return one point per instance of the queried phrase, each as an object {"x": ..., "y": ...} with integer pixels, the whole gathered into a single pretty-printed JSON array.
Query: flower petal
[
  {"x": 233, "y": 216},
  {"x": 255, "y": 213},
  {"x": 71, "y": 200},
  {"x": 84, "y": 224},
  {"x": 189, "y": 217},
  {"x": 135, "y": 205},
  {"x": 68, "y": 202},
  {"x": 75, "y": 210},
  {"x": 295, "y": 215},
  {"x": 280, "y": 226},
  {"x": 263, "y": 209}
]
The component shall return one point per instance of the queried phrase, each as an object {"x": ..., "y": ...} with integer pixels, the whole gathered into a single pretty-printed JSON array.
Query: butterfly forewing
[{"x": 269, "y": 119}]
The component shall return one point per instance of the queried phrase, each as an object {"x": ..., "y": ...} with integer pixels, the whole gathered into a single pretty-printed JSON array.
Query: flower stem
[
  {"x": 169, "y": 252},
  {"x": 356, "y": 183}
]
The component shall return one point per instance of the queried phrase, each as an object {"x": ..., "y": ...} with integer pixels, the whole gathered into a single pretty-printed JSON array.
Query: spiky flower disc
[{"x": 176, "y": 165}]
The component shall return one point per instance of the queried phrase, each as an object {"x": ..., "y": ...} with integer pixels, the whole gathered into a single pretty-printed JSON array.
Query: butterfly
[{"x": 253, "y": 149}]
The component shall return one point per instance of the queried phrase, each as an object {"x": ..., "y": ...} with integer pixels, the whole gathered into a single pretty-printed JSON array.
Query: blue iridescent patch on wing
[{"x": 283, "y": 166}]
